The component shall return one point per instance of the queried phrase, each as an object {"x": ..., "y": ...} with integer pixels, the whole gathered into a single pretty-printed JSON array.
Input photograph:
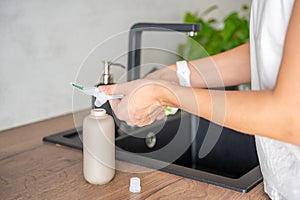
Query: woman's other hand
[{"x": 141, "y": 104}]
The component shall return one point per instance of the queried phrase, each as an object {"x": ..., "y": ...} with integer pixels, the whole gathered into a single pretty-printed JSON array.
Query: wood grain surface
[{"x": 31, "y": 169}]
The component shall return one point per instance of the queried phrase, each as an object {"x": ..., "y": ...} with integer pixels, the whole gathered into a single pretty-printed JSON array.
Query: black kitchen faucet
[{"x": 135, "y": 37}]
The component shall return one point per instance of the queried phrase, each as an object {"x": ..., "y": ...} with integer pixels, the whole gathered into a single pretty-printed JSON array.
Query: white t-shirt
[{"x": 279, "y": 161}]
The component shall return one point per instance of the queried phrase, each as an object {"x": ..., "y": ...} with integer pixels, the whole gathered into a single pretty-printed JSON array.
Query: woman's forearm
[
  {"x": 225, "y": 69},
  {"x": 251, "y": 112}
]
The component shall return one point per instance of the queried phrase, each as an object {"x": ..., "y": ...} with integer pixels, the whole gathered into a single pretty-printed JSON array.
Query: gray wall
[{"x": 43, "y": 45}]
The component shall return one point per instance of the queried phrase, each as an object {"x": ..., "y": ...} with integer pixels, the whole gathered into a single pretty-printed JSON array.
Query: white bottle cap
[{"x": 135, "y": 185}]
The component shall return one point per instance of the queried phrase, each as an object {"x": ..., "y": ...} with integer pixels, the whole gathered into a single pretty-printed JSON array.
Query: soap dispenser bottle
[
  {"x": 106, "y": 79},
  {"x": 98, "y": 147}
]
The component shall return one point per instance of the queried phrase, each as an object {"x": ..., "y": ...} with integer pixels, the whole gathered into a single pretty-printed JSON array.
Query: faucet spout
[{"x": 135, "y": 37}]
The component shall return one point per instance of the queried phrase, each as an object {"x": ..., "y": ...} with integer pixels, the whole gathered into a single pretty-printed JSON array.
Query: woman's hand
[
  {"x": 166, "y": 73},
  {"x": 141, "y": 104}
]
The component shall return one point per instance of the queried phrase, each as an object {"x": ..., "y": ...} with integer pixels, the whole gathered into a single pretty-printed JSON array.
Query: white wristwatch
[{"x": 183, "y": 73}]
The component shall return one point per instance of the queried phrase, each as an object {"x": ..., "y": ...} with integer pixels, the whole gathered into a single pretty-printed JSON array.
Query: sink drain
[{"x": 150, "y": 140}]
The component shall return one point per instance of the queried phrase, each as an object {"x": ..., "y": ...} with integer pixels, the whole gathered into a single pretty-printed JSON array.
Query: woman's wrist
[
  {"x": 165, "y": 95},
  {"x": 171, "y": 77},
  {"x": 167, "y": 73}
]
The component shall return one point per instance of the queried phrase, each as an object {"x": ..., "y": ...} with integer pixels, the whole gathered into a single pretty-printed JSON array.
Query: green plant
[{"x": 235, "y": 31}]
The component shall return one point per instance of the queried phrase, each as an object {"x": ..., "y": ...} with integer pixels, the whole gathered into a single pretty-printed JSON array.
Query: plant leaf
[{"x": 210, "y": 40}]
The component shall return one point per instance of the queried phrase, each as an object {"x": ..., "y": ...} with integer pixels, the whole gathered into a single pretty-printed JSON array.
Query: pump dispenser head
[{"x": 107, "y": 77}]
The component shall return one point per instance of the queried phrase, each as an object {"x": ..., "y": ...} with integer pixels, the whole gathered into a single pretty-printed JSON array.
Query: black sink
[
  {"x": 232, "y": 162},
  {"x": 169, "y": 146}
]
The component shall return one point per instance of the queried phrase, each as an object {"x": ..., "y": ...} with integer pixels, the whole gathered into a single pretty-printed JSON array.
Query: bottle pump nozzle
[{"x": 107, "y": 77}]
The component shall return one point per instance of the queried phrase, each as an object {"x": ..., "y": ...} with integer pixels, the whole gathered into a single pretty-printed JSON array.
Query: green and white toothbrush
[{"x": 101, "y": 98}]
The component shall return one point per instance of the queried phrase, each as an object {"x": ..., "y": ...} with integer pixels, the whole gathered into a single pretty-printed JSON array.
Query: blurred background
[{"x": 47, "y": 44}]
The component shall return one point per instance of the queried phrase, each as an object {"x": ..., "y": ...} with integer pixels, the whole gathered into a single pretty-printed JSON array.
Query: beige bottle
[{"x": 98, "y": 147}]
